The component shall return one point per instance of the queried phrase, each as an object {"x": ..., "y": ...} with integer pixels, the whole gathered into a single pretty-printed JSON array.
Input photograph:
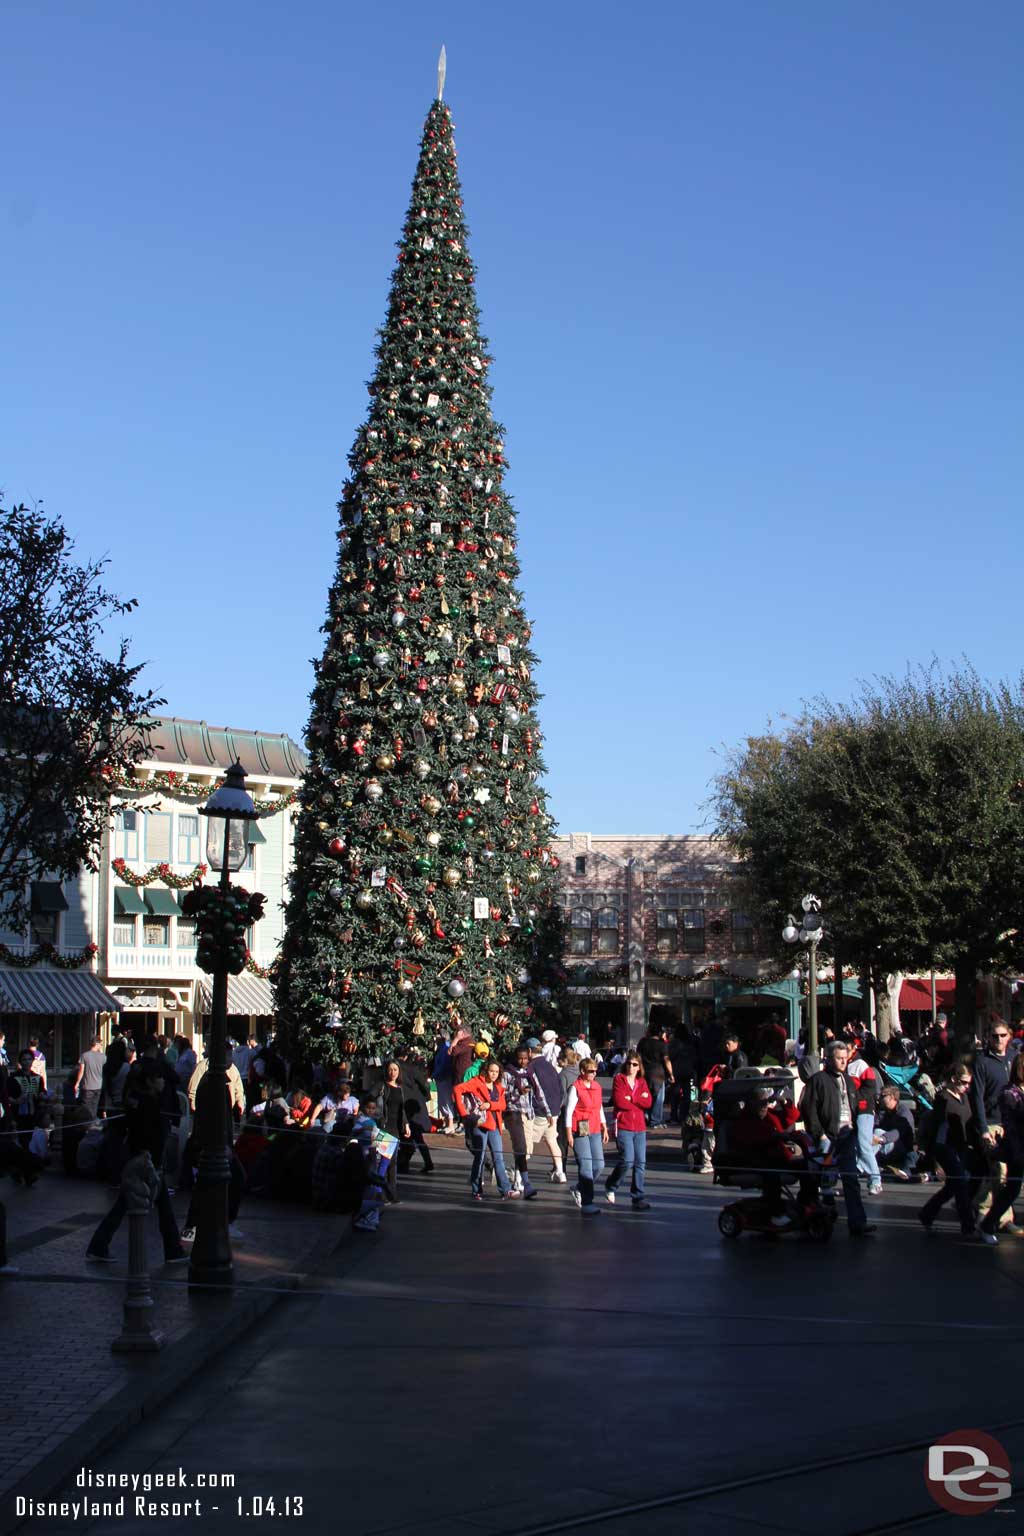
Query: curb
[{"x": 227, "y": 1317}]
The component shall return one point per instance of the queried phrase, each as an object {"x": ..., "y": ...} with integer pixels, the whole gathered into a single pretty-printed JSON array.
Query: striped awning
[
  {"x": 39, "y": 991},
  {"x": 247, "y": 994}
]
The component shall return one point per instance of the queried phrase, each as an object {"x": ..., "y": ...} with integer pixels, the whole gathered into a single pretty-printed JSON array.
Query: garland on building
[
  {"x": 48, "y": 953},
  {"x": 158, "y": 872},
  {"x": 264, "y": 972},
  {"x": 178, "y": 787},
  {"x": 590, "y": 976}
]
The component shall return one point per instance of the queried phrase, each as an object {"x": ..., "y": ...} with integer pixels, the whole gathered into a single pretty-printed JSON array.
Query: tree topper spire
[{"x": 442, "y": 66}]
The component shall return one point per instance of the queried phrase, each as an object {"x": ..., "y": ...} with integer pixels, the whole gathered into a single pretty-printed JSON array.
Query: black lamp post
[
  {"x": 230, "y": 809},
  {"x": 809, "y": 932}
]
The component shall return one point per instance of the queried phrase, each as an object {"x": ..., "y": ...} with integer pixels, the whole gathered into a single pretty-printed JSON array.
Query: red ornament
[
  {"x": 336, "y": 847},
  {"x": 359, "y": 747}
]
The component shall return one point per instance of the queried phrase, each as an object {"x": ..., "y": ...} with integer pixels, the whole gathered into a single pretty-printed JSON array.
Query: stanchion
[{"x": 140, "y": 1185}]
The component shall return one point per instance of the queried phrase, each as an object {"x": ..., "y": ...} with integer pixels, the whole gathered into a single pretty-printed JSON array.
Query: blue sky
[{"x": 751, "y": 277}]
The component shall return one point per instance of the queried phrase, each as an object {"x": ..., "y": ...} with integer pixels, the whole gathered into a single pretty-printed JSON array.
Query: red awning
[{"x": 916, "y": 994}]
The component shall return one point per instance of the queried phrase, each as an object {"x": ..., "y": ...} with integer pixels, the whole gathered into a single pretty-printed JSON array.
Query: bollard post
[{"x": 139, "y": 1186}]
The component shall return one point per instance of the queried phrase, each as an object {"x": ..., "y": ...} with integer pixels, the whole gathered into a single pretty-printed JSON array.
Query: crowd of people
[{"x": 914, "y": 1111}]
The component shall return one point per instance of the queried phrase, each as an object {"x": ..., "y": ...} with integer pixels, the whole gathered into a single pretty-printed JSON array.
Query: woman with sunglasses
[
  {"x": 953, "y": 1141},
  {"x": 586, "y": 1133},
  {"x": 630, "y": 1097}
]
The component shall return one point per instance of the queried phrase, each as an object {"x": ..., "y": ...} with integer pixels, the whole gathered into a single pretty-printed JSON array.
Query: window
[
  {"x": 47, "y": 903},
  {"x": 186, "y": 933},
  {"x": 693, "y": 931},
  {"x": 124, "y": 931},
  {"x": 581, "y": 934},
  {"x": 608, "y": 932},
  {"x": 581, "y": 863},
  {"x": 668, "y": 932},
  {"x": 156, "y": 932},
  {"x": 742, "y": 933},
  {"x": 188, "y": 840},
  {"x": 158, "y": 837},
  {"x": 44, "y": 927},
  {"x": 126, "y": 832}
]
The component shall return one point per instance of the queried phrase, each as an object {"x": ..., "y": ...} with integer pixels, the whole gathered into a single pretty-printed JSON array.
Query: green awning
[
  {"x": 128, "y": 901},
  {"x": 47, "y": 896},
  {"x": 162, "y": 903},
  {"x": 253, "y": 833}
]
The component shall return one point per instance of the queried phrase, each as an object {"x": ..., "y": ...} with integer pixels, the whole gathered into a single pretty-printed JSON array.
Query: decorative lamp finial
[{"x": 442, "y": 66}]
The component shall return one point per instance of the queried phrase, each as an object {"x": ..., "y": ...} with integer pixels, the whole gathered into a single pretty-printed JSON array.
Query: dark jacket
[
  {"x": 991, "y": 1076},
  {"x": 1012, "y": 1110},
  {"x": 682, "y": 1053},
  {"x": 734, "y": 1061},
  {"x": 547, "y": 1087},
  {"x": 897, "y": 1120},
  {"x": 652, "y": 1053},
  {"x": 819, "y": 1105},
  {"x": 950, "y": 1124},
  {"x": 392, "y": 1109}
]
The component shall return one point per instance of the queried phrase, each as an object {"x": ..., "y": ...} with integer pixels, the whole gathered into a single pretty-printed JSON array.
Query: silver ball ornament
[{"x": 455, "y": 987}]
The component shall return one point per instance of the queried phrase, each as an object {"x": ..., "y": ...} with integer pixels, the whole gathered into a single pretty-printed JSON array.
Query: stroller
[{"x": 754, "y": 1213}]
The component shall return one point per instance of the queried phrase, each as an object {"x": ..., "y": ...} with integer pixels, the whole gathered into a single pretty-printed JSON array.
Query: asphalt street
[{"x": 517, "y": 1368}]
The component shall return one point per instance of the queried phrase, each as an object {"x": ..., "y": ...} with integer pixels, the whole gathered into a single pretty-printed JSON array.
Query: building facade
[
  {"x": 156, "y": 849},
  {"x": 115, "y": 941},
  {"x": 654, "y": 932}
]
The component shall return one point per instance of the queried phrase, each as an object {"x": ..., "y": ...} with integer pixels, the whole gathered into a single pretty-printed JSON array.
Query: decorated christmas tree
[{"x": 422, "y": 892}]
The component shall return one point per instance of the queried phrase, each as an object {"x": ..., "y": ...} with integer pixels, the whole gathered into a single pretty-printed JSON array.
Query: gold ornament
[
  {"x": 452, "y": 877},
  {"x": 385, "y": 762}
]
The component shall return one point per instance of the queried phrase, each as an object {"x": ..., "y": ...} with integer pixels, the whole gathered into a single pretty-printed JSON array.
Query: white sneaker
[
  {"x": 609, "y": 1195},
  {"x": 874, "y": 1189},
  {"x": 577, "y": 1198},
  {"x": 590, "y": 1210},
  {"x": 235, "y": 1233},
  {"x": 558, "y": 1177}
]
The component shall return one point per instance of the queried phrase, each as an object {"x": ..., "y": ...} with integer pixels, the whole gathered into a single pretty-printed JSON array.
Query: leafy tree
[
  {"x": 902, "y": 810},
  {"x": 423, "y": 877},
  {"x": 70, "y": 716}
]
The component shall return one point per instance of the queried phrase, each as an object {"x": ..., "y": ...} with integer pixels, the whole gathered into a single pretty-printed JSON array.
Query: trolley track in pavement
[{"x": 724, "y": 1487}]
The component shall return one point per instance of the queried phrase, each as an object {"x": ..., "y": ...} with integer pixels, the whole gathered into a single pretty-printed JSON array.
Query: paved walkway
[
  {"x": 60, "y": 1315},
  {"x": 513, "y": 1368}
]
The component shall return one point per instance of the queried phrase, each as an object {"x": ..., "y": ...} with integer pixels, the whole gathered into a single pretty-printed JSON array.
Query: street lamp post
[
  {"x": 230, "y": 809},
  {"x": 808, "y": 932}
]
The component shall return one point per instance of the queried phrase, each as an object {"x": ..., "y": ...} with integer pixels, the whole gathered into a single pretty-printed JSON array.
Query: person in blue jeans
[
  {"x": 630, "y": 1097},
  {"x": 481, "y": 1103},
  {"x": 586, "y": 1133}
]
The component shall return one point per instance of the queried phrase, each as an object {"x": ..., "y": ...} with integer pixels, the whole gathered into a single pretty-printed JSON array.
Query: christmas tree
[{"x": 423, "y": 885}]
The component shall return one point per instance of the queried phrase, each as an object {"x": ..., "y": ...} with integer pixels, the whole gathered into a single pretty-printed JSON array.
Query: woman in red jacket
[
  {"x": 481, "y": 1103},
  {"x": 586, "y": 1132},
  {"x": 630, "y": 1097}
]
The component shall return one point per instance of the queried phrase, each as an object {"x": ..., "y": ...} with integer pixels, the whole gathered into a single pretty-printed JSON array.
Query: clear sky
[{"x": 751, "y": 273}]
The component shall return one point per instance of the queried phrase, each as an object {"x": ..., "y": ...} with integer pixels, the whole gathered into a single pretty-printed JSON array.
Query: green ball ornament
[
  {"x": 353, "y": 660},
  {"x": 424, "y": 863},
  {"x": 469, "y": 821}
]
